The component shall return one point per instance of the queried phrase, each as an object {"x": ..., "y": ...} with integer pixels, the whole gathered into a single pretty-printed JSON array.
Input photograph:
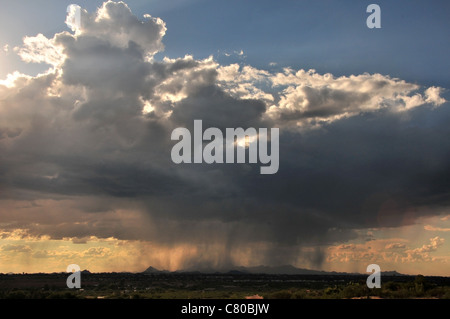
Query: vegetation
[
  {"x": 417, "y": 288},
  {"x": 219, "y": 286}
]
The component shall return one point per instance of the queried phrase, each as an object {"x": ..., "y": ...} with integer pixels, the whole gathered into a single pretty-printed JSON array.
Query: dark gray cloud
[{"x": 93, "y": 134}]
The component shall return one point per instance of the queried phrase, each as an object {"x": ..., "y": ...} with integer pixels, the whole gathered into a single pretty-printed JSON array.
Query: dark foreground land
[{"x": 218, "y": 286}]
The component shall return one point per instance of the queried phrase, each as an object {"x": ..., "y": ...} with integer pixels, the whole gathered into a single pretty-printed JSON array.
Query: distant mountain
[
  {"x": 152, "y": 270},
  {"x": 280, "y": 270},
  {"x": 268, "y": 270}
]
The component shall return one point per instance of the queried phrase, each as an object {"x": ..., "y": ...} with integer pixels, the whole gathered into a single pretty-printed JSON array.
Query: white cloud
[
  {"x": 432, "y": 228},
  {"x": 395, "y": 246},
  {"x": 18, "y": 248},
  {"x": 385, "y": 251},
  {"x": 242, "y": 82},
  {"x": 306, "y": 98},
  {"x": 115, "y": 23},
  {"x": 423, "y": 253},
  {"x": 39, "y": 49},
  {"x": 96, "y": 252},
  {"x": 432, "y": 95}
]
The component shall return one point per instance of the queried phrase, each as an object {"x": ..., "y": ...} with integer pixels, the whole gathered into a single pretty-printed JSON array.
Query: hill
[{"x": 267, "y": 270}]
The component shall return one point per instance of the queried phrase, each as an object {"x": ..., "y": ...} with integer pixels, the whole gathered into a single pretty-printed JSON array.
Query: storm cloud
[{"x": 89, "y": 140}]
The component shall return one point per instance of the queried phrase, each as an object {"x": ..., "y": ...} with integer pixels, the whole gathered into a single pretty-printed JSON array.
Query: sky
[{"x": 87, "y": 113}]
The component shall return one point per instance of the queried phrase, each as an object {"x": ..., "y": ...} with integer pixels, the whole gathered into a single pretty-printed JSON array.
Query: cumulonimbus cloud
[{"x": 91, "y": 136}]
